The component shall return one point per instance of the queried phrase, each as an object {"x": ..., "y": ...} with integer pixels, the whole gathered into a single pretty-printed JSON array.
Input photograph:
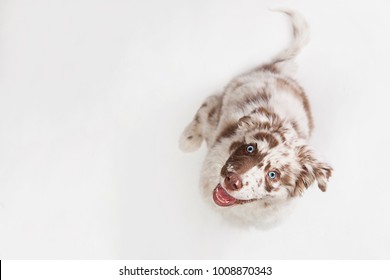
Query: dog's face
[{"x": 269, "y": 165}]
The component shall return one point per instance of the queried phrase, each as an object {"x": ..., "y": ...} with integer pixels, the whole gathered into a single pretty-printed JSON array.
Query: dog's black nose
[{"x": 233, "y": 181}]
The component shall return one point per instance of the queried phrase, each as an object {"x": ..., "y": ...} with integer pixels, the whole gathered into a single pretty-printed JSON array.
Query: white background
[{"x": 95, "y": 93}]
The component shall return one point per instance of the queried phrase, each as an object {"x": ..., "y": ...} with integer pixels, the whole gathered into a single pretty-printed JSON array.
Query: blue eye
[
  {"x": 272, "y": 174},
  {"x": 250, "y": 149}
]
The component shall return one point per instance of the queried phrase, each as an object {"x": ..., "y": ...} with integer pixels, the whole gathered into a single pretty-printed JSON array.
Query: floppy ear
[{"x": 312, "y": 169}]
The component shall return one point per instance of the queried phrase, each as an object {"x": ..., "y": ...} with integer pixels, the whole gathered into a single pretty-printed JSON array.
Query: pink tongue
[{"x": 222, "y": 198}]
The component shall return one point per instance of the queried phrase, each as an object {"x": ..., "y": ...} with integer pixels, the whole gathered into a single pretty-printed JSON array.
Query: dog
[{"x": 257, "y": 131}]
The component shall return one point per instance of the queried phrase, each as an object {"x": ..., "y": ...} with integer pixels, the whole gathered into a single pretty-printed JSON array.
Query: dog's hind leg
[{"x": 203, "y": 125}]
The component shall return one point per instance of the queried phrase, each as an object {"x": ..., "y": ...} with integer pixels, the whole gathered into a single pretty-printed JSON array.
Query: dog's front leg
[{"x": 203, "y": 125}]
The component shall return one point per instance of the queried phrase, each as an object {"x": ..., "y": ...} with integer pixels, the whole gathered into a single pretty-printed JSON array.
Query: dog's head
[{"x": 271, "y": 163}]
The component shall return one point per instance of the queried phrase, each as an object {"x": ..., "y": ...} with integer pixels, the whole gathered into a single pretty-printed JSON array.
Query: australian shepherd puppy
[{"x": 257, "y": 133}]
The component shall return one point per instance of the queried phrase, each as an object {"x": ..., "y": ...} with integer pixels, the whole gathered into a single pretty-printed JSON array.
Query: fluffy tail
[{"x": 282, "y": 61}]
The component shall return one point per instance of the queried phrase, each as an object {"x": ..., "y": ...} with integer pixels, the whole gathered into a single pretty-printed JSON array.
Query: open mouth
[{"x": 223, "y": 198}]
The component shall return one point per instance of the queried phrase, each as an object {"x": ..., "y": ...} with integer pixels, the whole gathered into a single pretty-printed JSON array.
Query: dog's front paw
[{"x": 190, "y": 139}]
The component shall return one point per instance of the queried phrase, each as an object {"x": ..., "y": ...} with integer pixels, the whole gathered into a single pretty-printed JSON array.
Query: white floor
[{"x": 94, "y": 95}]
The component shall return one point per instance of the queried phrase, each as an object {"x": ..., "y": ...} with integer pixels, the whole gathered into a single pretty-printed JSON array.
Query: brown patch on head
[
  {"x": 241, "y": 160},
  {"x": 245, "y": 122},
  {"x": 234, "y": 146},
  {"x": 228, "y": 131},
  {"x": 291, "y": 86},
  {"x": 271, "y": 116},
  {"x": 267, "y": 137},
  {"x": 273, "y": 121},
  {"x": 224, "y": 170}
]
